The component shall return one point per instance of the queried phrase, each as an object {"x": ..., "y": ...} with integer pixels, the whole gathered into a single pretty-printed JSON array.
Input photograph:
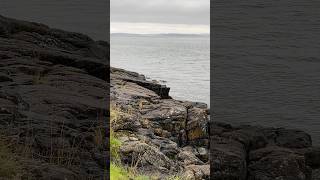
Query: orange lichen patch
[{"x": 196, "y": 133}]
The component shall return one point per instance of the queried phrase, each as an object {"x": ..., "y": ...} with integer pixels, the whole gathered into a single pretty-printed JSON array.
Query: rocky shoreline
[
  {"x": 54, "y": 117},
  {"x": 182, "y": 134},
  {"x": 169, "y": 137}
]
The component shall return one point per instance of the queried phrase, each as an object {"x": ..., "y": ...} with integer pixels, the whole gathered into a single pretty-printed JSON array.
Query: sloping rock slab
[{"x": 53, "y": 93}]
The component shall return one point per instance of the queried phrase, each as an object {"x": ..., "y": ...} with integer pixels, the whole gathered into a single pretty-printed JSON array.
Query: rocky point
[{"x": 165, "y": 136}]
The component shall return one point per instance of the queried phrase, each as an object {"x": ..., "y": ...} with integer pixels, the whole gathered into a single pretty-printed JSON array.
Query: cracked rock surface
[
  {"x": 168, "y": 136},
  {"x": 53, "y": 94}
]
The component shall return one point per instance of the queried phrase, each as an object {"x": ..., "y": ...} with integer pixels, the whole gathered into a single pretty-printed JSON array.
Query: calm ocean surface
[
  {"x": 182, "y": 62},
  {"x": 266, "y": 58}
]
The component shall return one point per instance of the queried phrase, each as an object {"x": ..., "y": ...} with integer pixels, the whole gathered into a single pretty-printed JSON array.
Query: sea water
[{"x": 182, "y": 62}]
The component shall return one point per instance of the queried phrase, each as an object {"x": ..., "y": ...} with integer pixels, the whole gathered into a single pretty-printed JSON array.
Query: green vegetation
[
  {"x": 120, "y": 173},
  {"x": 117, "y": 170},
  {"x": 115, "y": 145},
  {"x": 9, "y": 168}
]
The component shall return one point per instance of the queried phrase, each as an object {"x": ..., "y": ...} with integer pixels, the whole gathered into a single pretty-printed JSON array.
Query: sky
[{"x": 160, "y": 16}]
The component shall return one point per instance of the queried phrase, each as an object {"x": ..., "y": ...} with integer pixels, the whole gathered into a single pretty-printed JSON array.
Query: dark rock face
[
  {"x": 53, "y": 94},
  {"x": 256, "y": 153}
]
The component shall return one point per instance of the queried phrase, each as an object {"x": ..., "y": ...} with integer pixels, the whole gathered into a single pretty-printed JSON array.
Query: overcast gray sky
[{"x": 160, "y": 16}]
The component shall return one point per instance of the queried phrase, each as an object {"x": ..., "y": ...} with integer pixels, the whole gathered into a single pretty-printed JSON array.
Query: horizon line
[
  {"x": 160, "y": 33},
  {"x": 158, "y": 28}
]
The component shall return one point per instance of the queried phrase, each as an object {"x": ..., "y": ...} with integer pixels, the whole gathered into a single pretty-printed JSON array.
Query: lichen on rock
[{"x": 170, "y": 136}]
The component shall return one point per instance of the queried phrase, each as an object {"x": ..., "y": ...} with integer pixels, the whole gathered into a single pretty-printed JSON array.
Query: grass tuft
[
  {"x": 120, "y": 173},
  {"x": 9, "y": 168},
  {"x": 115, "y": 145}
]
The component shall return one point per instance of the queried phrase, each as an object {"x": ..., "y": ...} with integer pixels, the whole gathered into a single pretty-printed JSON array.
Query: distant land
[{"x": 164, "y": 34}]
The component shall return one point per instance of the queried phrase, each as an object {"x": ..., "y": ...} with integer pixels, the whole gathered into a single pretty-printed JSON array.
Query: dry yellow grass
[{"x": 9, "y": 167}]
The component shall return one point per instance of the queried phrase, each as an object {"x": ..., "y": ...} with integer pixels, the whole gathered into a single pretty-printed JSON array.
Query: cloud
[{"x": 161, "y": 11}]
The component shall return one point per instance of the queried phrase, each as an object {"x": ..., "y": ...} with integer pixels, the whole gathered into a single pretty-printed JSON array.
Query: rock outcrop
[
  {"x": 256, "y": 153},
  {"x": 160, "y": 135},
  {"x": 53, "y": 93},
  {"x": 170, "y": 137}
]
